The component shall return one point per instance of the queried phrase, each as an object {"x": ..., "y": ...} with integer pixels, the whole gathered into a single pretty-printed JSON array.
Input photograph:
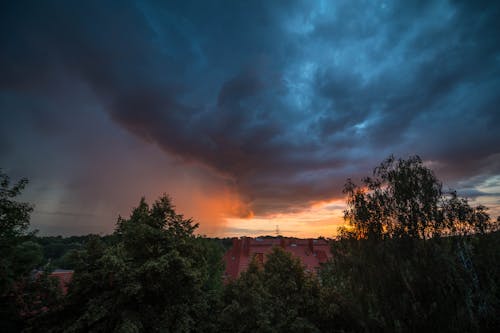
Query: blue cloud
[{"x": 285, "y": 99}]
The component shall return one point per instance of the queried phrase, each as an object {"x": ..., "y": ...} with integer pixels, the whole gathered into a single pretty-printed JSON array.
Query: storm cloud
[{"x": 281, "y": 100}]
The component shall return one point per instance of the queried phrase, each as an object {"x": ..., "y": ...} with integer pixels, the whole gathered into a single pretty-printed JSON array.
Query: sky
[{"x": 251, "y": 115}]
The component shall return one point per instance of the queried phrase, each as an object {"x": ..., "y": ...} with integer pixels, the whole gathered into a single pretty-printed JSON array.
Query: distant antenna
[{"x": 277, "y": 230}]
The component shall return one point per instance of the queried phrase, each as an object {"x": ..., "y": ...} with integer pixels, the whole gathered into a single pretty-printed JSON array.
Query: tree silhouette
[
  {"x": 412, "y": 257},
  {"x": 22, "y": 294},
  {"x": 404, "y": 199}
]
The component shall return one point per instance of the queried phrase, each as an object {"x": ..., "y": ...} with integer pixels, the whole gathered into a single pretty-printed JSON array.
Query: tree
[
  {"x": 278, "y": 296},
  {"x": 154, "y": 277},
  {"x": 246, "y": 303},
  {"x": 19, "y": 255},
  {"x": 404, "y": 199},
  {"x": 393, "y": 269},
  {"x": 293, "y": 292},
  {"x": 14, "y": 223}
]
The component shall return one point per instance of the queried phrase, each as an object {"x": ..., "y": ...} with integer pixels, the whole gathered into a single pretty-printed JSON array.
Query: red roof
[
  {"x": 312, "y": 252},
  {"x": 64, "y": 277}
]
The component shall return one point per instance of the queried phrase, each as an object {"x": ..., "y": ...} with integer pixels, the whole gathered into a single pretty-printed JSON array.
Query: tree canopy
[
  {"x": 404, "y": 199},
  {"x": 278, "y": 296},
  {"x": 17, "y": 257},
  {"x": 156, "y": 276},
  {"x": 22, "y": 294},
  {"x": 412, "y": 256}
]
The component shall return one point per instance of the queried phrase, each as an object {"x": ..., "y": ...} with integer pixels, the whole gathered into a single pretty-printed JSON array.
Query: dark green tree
[
  {"x": 278, "y": 296},
  {"x": 19, "y": 256},
  {"x": 156, "y": 276},
  {"x": 408, "y": 259},
  {"x": 246, "y": 303},
  {"x": 294, "y": 292}
]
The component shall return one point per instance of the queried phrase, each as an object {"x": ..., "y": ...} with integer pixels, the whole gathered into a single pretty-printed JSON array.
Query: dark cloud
[
  {"x": 474, "y": 193},
  {"x": 282, "y": 100}
]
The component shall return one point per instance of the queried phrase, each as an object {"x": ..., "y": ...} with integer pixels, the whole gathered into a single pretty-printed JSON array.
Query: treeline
[
  {"x": 411, "y": 258},
  {"x": 60, "y": 252}
]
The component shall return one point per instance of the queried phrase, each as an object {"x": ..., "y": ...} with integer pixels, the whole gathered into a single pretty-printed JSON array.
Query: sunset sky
[{"x": 249, "y": 114}]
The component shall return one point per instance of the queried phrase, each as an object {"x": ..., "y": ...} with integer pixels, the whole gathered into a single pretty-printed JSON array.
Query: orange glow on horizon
[
  {"x": 322, "y": 218},
  {"x": 222, "y": 212}
]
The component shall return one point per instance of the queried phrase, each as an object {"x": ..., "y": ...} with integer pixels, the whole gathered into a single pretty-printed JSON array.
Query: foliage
[
  {"x": 412, "y": 257},
  {"x": 60, "y": 251},
  {"x": 156, "y": 276},
  {"x": 38, "y": 293},
  {"x": 19, "y": 256},
  {"x": 278, "y": 297},
  {"x": 404, "y": 199},
  {"x": 392, "y": 269}
]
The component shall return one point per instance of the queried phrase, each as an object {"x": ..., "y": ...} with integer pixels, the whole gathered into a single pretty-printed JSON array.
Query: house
[
  {"x": 64, "y": 277},
  {"x": 312, "y": 252}
]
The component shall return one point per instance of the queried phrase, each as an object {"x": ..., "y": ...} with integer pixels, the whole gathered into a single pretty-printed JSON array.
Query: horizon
[{"x": 249, "y": 115}]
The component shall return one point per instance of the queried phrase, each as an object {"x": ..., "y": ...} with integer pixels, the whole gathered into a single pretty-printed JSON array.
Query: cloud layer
[{"x": 279, "y": 101}]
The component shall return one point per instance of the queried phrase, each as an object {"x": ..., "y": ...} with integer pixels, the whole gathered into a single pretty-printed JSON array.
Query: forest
[{"x": 412, "y": 257}]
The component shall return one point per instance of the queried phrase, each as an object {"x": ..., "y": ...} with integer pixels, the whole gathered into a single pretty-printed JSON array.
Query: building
[
  {"x": 312, "y": 252},
  {"x": 64, "y": 277}
]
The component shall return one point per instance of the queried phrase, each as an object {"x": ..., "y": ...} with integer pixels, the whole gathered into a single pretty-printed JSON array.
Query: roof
[{"x": 64, "y": 277}]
